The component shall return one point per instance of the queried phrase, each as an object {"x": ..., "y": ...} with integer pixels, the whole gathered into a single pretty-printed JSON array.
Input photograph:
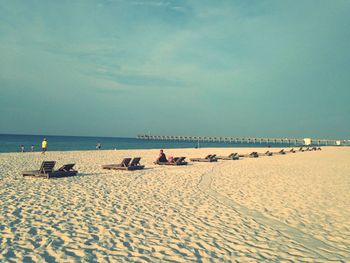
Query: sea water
[{"x": 12, "y": 143}]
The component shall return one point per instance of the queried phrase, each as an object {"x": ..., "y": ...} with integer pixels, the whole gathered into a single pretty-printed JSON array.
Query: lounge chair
[
  {"x": 135, "y": 164},
  {"x": 232, "y": 156},
  {"x": 181, "y": 161},
  {"x": 292, "y": 150},
  {"x": 176, "y": 161},
  {"x": 280, "y": 152},
  {"x": 126, "y": 164},
  {"x": 319, "y": 148},
  {"x": 250, "y": 155},
  {"x": 46, "y": 170},
  {"x": 65, "y": 170},
  {"x": 208, "y": 158},
  {"x": 301, "y": 149},
  {"x": 267, "y": 153}
]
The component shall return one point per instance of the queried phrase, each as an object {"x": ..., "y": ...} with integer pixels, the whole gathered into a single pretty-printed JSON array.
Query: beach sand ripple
[{"x": 280, "y": 208}]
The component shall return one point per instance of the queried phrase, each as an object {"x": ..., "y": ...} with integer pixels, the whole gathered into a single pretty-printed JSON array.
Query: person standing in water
[
  {"x": 22, "y": 148},
  {"x": 32, "y": 148},
  {"x": 44, "y": 146}
]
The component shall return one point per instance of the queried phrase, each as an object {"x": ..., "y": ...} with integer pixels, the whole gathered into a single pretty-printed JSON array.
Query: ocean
[{"x": 12, "y": 143}]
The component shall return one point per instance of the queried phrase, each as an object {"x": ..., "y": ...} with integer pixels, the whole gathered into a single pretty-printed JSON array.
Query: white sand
[{"x": 293, "y": 207}]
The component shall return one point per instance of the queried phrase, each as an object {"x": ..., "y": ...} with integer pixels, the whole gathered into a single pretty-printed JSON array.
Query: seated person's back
[{"x": 162, "y": 157}]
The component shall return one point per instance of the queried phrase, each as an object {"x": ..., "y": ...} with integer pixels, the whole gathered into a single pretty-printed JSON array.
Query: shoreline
[{"x": 179, "y": 148}]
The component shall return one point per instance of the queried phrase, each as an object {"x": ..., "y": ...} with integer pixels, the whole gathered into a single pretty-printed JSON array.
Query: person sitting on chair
[
  {"x": 161, "y": 158},
  {"x": 171, "y": 159}
]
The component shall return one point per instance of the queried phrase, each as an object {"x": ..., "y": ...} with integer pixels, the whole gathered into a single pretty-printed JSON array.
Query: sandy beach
[{"x": 288, "y": 208}]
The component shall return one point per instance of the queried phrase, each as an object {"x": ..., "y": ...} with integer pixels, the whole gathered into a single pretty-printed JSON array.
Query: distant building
[{"x": 307, "y": 141}]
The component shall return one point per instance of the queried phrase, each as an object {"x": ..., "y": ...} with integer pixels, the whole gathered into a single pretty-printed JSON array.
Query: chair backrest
[
  {"x": 208, "y": 156},
  {"x": 135, "y": 161},
  {"x": 212, "y": 156},
  {"x": 181, "y": 159},
  {"x": 47, "y": 167},
  {"x": 67, "y": 167},
  {"x": 125, "y": 162},
  {"x": 176, "y": 159},
  {"x": 282, "y": 151}
]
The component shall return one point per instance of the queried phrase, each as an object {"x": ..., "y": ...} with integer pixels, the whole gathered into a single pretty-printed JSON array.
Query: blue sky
[{"x": 119, "y": 68}]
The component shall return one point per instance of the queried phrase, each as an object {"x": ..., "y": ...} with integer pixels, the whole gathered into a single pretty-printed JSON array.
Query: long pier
[{"x": 295, "y": 141}]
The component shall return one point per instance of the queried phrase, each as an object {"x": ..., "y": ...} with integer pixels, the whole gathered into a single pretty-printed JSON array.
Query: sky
[{"x": 266, "y": 68}]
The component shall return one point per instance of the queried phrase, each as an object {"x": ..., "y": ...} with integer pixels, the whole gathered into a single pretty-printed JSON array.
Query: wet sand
[{"x": 292, "y": 207}]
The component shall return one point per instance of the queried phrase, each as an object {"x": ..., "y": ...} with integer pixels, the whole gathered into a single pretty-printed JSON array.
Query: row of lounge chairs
[
  {"x": 236, "y": 156},
  {"x": 47, "y": 167}
]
